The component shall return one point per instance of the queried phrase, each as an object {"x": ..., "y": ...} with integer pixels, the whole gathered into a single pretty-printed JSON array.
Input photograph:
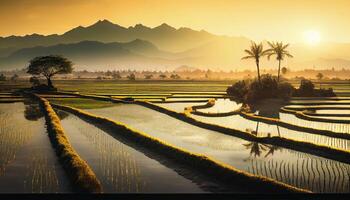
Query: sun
[{"x": 312, "y": 37}]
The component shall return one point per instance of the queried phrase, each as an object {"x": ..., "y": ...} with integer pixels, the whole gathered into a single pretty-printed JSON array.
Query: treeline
[{"x": 197, "y": 74}]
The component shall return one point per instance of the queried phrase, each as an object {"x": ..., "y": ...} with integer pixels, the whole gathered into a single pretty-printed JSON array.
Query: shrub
[
  {"x": 251, "y": 91},
  {"x": 131, "y": 77},
  {"x": 239, "y": 89},
  {"x": 44, "y": 88},
  {"x": 34, "y": 81},
  {"x": 307, "y": 89},
  {"x": 285, "y": 90},
  {"x": 2, "y": 77}
]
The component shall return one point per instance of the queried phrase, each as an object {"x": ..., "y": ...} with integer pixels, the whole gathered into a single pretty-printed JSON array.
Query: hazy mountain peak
[
  {"x": 165, "y": 27},
  {"x": 103, "y": 22},
  {"x": 139, "y": 27}
]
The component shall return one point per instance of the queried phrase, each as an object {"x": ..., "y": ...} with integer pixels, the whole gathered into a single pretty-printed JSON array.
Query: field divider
[
  {"x": 326, "y": 114},
  {"x": 297, "y": 145},
  {"x": 280, "y": 123},
  {"x": 303, "y": 115},
  {"x": 319, "y": 103},
  {"x": 203, "y": 164},
  {"x": 82, "y": 177}
]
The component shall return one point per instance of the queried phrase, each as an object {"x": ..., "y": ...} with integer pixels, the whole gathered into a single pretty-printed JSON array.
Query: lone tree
[{"x": 48, "y": 66}]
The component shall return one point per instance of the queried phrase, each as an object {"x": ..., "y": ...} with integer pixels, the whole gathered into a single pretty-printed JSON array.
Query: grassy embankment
[
  {"x": 209, "y": 167},
  {"x": 277, "y": 122},
  {"x": 80, "y": 174},
  {"x": 82, "y": 103}
]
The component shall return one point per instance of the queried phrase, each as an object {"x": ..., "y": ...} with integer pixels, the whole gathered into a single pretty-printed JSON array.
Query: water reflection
[
  {"x": 231, "y": 150},
  {"x": 256, "y": 149},
  {"x": 119, "y": 167},
  {"x": 314, "y": 174},
  {"x": 28, "y": 163}
]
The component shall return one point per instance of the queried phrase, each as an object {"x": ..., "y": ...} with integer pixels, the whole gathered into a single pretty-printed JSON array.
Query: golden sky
[{"x": 286, "y": 20}]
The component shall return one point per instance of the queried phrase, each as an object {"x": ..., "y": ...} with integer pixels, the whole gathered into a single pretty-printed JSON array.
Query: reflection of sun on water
[{"x": 312, "y": 37}]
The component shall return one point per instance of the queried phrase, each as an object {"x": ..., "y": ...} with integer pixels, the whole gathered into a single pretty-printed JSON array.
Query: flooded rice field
[
  {"x": 28, "y": 163},
  {"x": 328, "y": 111},
  {"x": 262, "y": 129},
  {"x": 119, "y": 167},
  {"x": 335, "y": 127},
  {"x": 222, "y": 106},
  {"x": 299, "y": 169}
]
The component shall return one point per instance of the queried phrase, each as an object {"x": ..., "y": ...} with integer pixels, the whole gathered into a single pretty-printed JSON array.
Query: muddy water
[
  {"x": 291, "y": 167},
  {"x": 119, "y": 167},
  {"x": 27, "y": 160}
]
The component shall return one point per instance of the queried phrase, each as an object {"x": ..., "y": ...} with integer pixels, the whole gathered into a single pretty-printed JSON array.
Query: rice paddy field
[{"x": 29, "y": 163}]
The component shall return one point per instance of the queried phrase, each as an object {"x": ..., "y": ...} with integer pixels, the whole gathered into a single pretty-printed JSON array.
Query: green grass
[
  {"x": 81, "y": 103},
  {"x": 136, "y": 87}
]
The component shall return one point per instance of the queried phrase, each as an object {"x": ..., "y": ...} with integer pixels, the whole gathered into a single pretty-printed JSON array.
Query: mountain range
[{"x": 105, "y": 45}]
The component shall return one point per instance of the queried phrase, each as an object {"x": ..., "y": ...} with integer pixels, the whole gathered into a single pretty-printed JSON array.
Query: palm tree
[
  {"x": 255, "y": 52},
  {"x": 278, "y": 49}
]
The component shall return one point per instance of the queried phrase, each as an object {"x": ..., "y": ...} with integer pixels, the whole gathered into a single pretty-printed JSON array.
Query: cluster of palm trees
[{"x": 257, "y": 51}]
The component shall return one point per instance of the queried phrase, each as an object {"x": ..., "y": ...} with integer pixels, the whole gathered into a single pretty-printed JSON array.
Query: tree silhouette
[
  {"x": 2, "y": 77},
  {"x": 255, "y": 52},
  {"x": 319, "y": 76},
  {"x": 162, "y": 76},
  {"x": 278, "y": 49},
  {"x": 284, "y": 70},
  {"x": 131, "y": 77},
  {"x": 48, "y": 66}
]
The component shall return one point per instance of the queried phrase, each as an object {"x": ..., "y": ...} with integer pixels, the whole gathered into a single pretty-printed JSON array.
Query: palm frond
[
  {"x": 247, "y": 57},
  {"x": 249, "y": 52},
  {"x": 285, "y": 46},
  {"x": 289, "y": 55}
]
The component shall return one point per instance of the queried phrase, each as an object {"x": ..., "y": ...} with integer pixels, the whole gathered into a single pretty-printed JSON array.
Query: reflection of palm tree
[
  {"x": 272, "y": 149},
  {"x": 278, "y": 130},
  {"x": 255, "y": 148}
]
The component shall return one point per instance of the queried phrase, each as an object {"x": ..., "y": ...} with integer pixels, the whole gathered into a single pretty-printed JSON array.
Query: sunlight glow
[{"x": 312, "y": 37}]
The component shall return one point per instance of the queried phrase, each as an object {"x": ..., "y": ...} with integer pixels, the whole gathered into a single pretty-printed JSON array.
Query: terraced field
[{"x": 197, "y": 119}]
